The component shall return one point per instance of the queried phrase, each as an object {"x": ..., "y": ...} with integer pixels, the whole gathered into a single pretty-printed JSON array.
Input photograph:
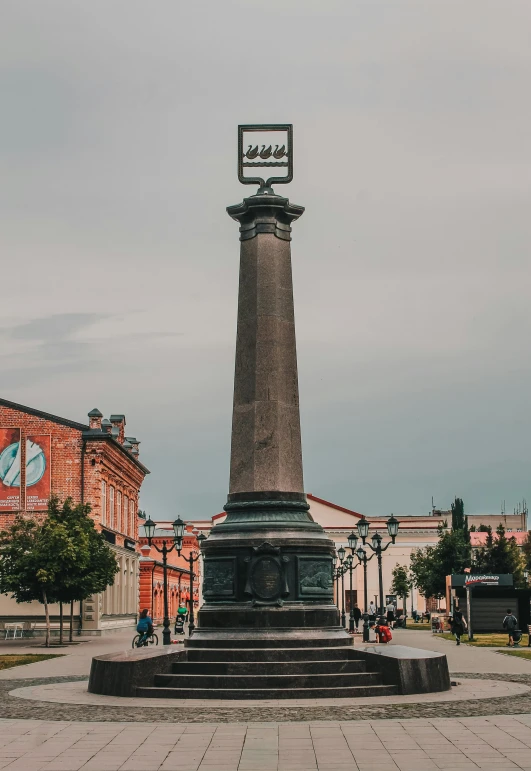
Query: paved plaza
[
  {"x": 464, "y": 744},
  {"x": 51, "y": 723}
]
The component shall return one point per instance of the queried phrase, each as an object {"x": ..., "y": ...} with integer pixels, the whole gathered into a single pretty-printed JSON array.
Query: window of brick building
[
  {"x": 112, "y": 521},
  {"x": 126, "y": 515},
  {"x": 132, "y": 531},
  {"x": 103, "y": 502},
  {"x": 119, "y": 522}
]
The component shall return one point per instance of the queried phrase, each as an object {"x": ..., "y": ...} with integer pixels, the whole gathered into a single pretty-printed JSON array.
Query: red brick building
[
  {"x": 41, "y": 454},
  {"x": 151, "y": 584}
]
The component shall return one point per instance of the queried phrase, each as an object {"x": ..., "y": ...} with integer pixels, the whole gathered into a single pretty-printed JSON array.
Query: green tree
[
  {"x": 431, "y": 565},
  {"x": 32, "y": 557},
  {"x": 458, "y": 514},
  {"x": 500, "y": 555},
  {"x": 401, "y": 584},
  {"x": 63, "y": 559},
  {"x": 459, "y": 521},
  {"x": 526, "y": 550},
  {"x": 95, "y": 566}
]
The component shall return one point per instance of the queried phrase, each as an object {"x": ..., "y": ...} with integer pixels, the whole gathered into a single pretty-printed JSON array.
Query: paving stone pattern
[
  {"x": 13, "y": 707},
  {"x": 466, "y": 744}
]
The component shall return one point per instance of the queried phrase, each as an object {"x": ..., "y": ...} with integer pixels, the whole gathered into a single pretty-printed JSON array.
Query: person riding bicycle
[{"x": 144, "y": 626}]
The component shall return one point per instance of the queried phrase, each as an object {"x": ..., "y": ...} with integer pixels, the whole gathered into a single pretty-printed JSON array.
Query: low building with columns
[{"x": 43, "y": 454}]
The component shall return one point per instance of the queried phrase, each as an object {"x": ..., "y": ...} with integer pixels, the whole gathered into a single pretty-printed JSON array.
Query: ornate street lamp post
[
  {"x": 345, "y": 566},
  {"x": 351, "y": 610},
  {"x": 343, "y": 570},
  {"x": 376, "y": 546},
  {"x": 191, "y": 560},
  {"x": 352, "y": 544},
  {"x": 362, "y": 560},
  {"x": 361, "y": 554},
  {"x": 178, "y": 533}
]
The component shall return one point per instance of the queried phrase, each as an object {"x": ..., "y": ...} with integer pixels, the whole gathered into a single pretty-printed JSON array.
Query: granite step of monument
[
  {"x": 342, "y": 692},
  {"x": 269, "y": 654},
  {"x": 270, "y": 642},
  {"x": 263, "y": 680},
  {"x": 268, "y": 667}
]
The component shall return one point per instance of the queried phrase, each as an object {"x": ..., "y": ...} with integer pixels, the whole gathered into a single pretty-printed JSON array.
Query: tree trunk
[
  {"x": 60, "y": 623},
  {"x": 71, "y": 634},
  {"x": 47, "y": 614}
]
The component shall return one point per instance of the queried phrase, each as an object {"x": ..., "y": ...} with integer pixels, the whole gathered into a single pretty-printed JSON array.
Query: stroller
[{"x": 179, "y": 624}]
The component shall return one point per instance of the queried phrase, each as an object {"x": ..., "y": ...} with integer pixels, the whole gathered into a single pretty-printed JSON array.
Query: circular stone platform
[{"x": 76, "y": 693}]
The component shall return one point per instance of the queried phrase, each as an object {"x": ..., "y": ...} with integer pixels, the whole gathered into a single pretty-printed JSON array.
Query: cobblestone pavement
[
  {"x": 466, "y": 744},
  {"x": 16, "y": 708}
]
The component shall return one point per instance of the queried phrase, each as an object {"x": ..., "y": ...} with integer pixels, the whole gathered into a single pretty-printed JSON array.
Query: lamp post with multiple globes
[
  {"x": 178, "y": 535},
  {"x": 376, "y": 546}
]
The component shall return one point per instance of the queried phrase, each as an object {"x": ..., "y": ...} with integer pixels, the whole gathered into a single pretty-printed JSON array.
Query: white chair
[{"x": 16, "y": 629}]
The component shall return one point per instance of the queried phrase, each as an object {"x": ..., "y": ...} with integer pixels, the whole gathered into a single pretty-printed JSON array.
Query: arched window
[
  {"x": 103, "y": 502},
  {"x": 132, "y": 520},
  {"x": 112, "y": 521}
]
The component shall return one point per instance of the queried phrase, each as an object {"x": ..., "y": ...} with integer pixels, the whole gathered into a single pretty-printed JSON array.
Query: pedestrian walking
[
  {"x": 510, "y": 624},
  {"x": 457, "y": 625},
  {"x": 357, "y": 615},
  {"x": 372, "y": 610},
  {"x": 182, "y": 610},
  {"x": 390, "y": 614}
]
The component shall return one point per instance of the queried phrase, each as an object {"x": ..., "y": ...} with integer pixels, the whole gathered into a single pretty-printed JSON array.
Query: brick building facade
[{"x": 96, "y": 464}]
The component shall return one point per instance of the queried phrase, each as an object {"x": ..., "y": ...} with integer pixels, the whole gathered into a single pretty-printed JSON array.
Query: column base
[{"x": 268, "y": 574}]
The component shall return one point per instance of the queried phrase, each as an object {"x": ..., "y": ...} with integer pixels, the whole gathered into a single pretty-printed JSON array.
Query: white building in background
[{"x": 415, "y": 532}]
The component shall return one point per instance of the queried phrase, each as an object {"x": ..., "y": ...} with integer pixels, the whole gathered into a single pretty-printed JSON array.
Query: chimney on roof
[
  {"x": 106, "y": 425},
  {"x": 95, "y": 417},
  {"x": 118, "y": 421},
  {"x": 133, "y": 441}
]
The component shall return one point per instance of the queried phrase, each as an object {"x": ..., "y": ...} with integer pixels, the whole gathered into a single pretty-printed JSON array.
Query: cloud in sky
[{"x": 411, "y": 263}]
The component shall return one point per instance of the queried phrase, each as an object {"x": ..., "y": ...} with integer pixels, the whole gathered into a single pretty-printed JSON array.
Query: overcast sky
[{"x": 119, "y": 264}]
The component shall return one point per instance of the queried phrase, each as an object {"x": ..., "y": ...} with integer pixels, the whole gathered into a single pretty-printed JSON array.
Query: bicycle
[{"x": 151, "y": 640}]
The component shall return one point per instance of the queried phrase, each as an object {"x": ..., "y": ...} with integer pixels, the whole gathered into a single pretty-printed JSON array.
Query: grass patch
[
  {"x": 498, "y": 640},
  {"x": 18, "y": 659},
  {"x": 520, "y": 654},
  {"x": 410, "y": 624}
]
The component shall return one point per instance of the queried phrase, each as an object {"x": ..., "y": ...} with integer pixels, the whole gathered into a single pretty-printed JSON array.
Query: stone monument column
[
  {"x": 268, "y": 566},
  {"x": 266, "y": 454}
]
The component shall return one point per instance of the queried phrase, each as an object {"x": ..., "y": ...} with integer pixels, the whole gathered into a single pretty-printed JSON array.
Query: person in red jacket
[{"x": 383, "y": 632}]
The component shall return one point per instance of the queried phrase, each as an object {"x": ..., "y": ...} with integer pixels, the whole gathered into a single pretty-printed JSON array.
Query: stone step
[
  {"x": 267, "y": 654},
  {"x": 272, "y": 642},
  {"x": 267, "y": 667},
  {"x": 265, "y": 681},
  {"x": 267, "y": 693}
]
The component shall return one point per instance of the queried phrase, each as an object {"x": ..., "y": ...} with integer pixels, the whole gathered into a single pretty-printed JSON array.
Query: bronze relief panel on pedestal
[
  {"x": 314, "y": 577},
  {"x": 267, "y": 582},
  {"x": 220, "y": 577}
]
